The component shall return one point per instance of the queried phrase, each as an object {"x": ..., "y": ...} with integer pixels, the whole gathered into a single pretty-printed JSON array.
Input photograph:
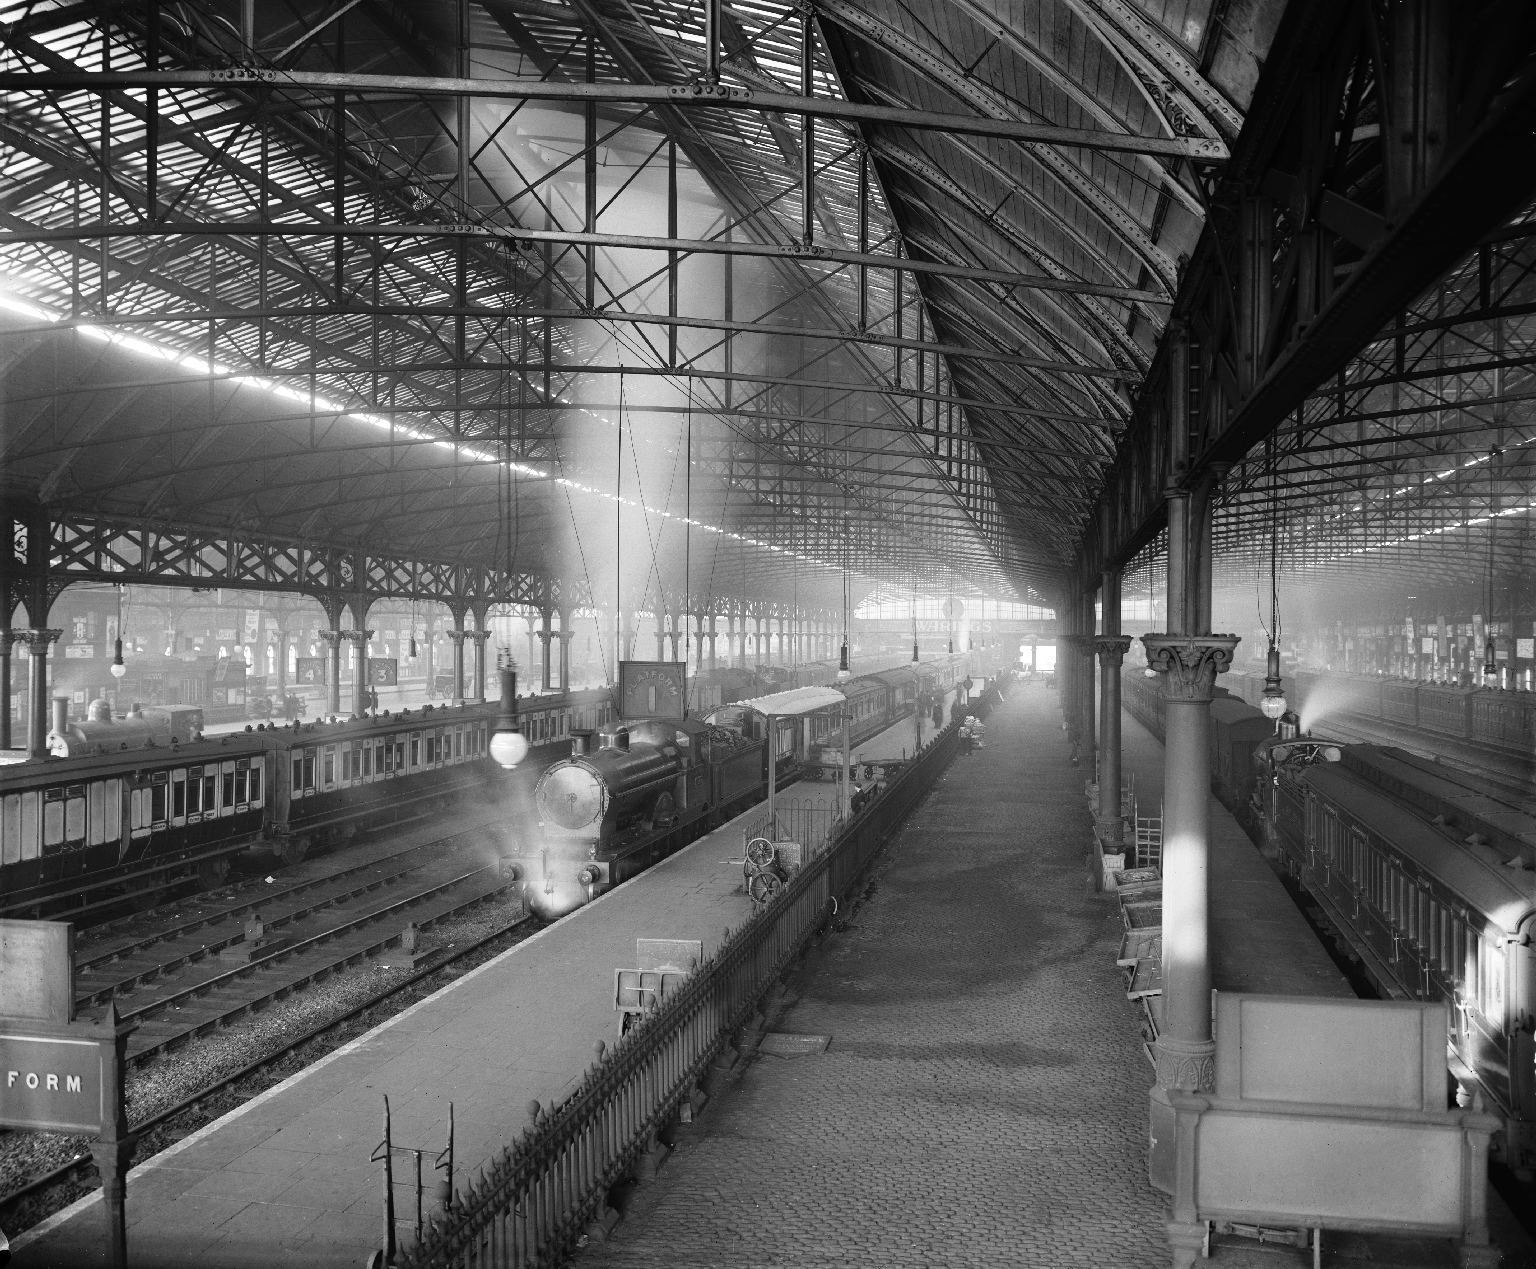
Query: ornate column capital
[
  {"x": 1189, "y": 663},
  {"x": 1189, "y": 1066},
  {"x": 8, "y": 637},
  {"x": 359, "y": 637},
  {"x": 1112, "y": 650},
  {"x": 37, "y": 641},
  {"x": 458, "y": 636},
  {"x": 480, "y": 636},
  {"x": 332, "y": 637}
]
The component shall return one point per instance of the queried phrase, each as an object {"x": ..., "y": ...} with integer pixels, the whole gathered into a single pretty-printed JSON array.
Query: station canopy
[
  {"x": 725, "y": 298},
  {"x": 796, "y": 701}
]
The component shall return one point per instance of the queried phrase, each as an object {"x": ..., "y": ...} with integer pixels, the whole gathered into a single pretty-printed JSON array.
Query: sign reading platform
[
  {"x": 310, "y": 670},
  {"x": 51, "y": 1083},
  {"x": 58, "y": 1074},
  {"x": 383, "y": 671},
  {"x": 653, "y": 689}
]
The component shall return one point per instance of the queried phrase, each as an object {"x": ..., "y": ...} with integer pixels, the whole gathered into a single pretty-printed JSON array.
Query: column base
[
  {"x": 1186, "y": 1065},
  {"x": 1187, "y": 1240},
  {"x": 1111, "y": 830}
]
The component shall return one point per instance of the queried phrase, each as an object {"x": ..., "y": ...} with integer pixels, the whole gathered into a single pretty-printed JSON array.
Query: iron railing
[
  {"x": 796, "y": 820},
  {"x": 531, "y": 1206}
]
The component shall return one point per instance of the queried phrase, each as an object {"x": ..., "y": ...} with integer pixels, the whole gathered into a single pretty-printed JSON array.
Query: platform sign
[
  {"x": 51, "y": 1084},
  {"x": 310, "y": 670},
  {"x": 68, "y": 1077},
  {"x": 37, "y": 970},
  {"x": 383, "y": 671},
  {"x": 653, "y": 689}
]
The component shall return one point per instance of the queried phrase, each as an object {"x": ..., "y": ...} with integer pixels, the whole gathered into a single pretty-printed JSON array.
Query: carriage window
[
  {"x": 415, "y": 751},
  {"x": 367, "y": 758},
  {"x": 159, "y": 802},
  {"x": 53, "y": 818},
  {"x": 178, "y": 795},
  {"x": 329, "y": 766},
  {"x": 458, "y": 742},
  {"x": 258, "y": 770},
  {"x": 242, "y": 782},
  {"x": 210, "y": 790},
  {"x": 194, "y": 790},
  {"x": 97, "y": 832},
  {"x": 229, "y": 790},
  {"x": 389, "y": 758},
  {"x": 309, "y": 770},
  {"x": 74, "y": 815}
]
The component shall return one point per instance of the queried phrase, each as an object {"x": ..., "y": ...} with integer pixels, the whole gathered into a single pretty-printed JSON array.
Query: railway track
[
  {"x": 154, "y": 1132},
  {"x": 325, "y": 928},
  {"x": 108, "y": 967}
]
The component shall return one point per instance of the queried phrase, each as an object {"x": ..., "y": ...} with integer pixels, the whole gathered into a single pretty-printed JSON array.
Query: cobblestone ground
[{"x": 984, "y": 1097}]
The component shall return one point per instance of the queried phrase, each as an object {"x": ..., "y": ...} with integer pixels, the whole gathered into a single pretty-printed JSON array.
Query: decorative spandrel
[{"x": 1189, "y": 664}]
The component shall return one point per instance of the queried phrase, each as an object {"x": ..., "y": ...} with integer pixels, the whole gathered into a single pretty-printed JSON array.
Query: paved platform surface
[
  {"x": 983, "y": 1100},
  {"x": 286, "y": 1178}
]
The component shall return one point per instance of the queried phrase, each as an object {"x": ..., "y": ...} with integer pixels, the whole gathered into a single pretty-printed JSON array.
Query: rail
[{"x": 531, "y": 1206}]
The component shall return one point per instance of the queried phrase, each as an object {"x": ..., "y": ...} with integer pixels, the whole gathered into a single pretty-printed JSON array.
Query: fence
[
  {"x": 794, "y": 820},
  {"x": 531, "y": 1207}
]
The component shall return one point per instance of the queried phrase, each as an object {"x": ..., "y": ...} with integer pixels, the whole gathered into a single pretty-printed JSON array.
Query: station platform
[
  {"x": 1260, "y": 942},
  {"x": 286, "y": 1179},
  {"x": 983, "y": 1097}
]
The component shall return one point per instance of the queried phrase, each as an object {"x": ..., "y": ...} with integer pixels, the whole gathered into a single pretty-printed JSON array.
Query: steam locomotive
[
  {"x": 631, "y": 795},
  {"x": 1424, "y": 872}
]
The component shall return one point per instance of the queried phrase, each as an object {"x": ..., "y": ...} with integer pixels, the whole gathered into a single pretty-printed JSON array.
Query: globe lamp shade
[
  {"x": 117, "y": 667},
  {"x": 509, "y": 748},
  {"x": 508, "y": 745},
  {"x": 1272, "y": 707}
]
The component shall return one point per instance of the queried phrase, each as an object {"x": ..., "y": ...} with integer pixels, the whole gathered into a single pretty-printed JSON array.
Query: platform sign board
[
  {"x": 383, "y": 671},
  {"x": 68, "y": 1077},
  {"x": 309, "y": 670},
  {"x": 51, "y": 1083},
  {"x": 653, "y": 689},
  {"x": 37, "y": 970}
]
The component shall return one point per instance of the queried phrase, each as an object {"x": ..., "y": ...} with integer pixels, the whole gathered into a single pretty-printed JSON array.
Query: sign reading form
[{"x": 52, "y": 1084}]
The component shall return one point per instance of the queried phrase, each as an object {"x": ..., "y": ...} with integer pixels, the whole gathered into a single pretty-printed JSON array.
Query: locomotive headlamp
[
  {"x": 118, "y": 668},
  {"x": 508, "y": 745},
  {"x": 1272, "y": 703}
]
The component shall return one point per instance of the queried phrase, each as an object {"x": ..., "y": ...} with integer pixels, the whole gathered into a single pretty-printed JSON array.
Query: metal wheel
[
  {"x": 765, "y": 887},
  {"x": 760, "y": 853}
]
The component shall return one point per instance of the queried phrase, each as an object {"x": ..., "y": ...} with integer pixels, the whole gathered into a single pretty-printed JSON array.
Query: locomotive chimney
[
  {"x": 580, "y": 741},
  {"x": 60, "y": 714},
  {"x": 621, "y": 739}
]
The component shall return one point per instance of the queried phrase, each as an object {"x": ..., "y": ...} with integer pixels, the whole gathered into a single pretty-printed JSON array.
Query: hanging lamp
[
  {"x": 1272, "y": 703},
  {"x": 117, "y": 667}
]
